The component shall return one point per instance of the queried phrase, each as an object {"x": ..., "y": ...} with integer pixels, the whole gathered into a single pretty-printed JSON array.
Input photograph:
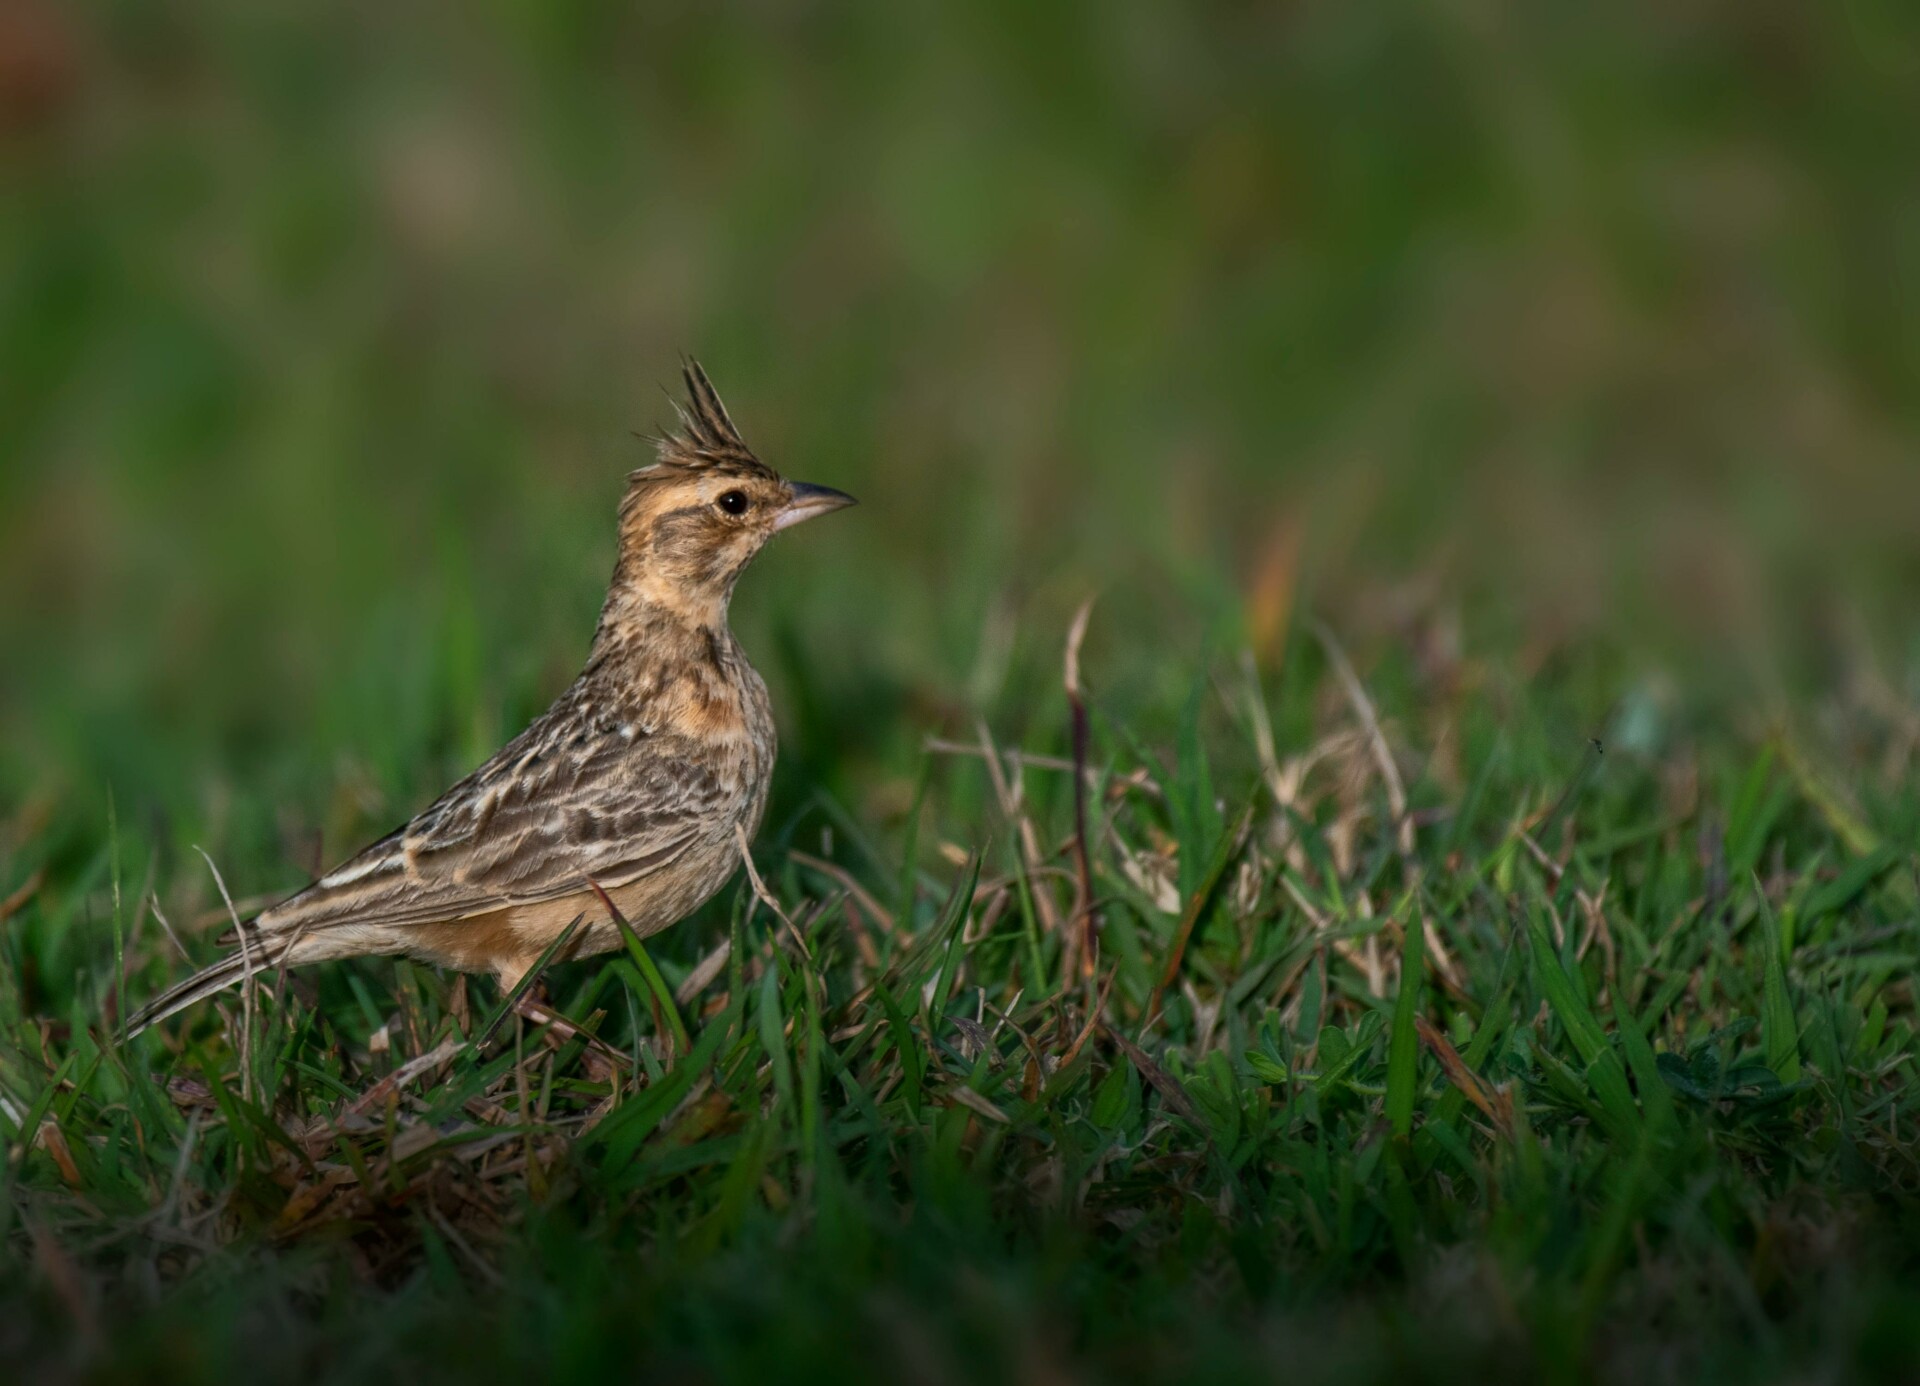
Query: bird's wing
[{"x": 557, "y": 808}]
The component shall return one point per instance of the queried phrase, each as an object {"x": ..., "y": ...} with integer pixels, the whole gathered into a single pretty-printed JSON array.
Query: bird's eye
[{"x": 735, "y": 502}]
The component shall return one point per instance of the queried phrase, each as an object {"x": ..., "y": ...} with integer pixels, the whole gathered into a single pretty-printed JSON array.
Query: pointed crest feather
[{"x": 706, "y": 432}]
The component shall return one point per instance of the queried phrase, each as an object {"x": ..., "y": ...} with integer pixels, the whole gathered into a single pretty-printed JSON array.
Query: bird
[{"x": 639, "y": 788}]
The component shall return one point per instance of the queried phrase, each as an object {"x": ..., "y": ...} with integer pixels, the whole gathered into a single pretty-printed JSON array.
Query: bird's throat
[
  {"x": 663, "y": 624},
  {"x": 655, "y": 603}
]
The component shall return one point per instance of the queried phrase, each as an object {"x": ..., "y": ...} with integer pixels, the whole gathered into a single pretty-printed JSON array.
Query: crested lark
[{"x": 640, "y": 780}]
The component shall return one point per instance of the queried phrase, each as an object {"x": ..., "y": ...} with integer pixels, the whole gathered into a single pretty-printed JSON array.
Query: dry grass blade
[
  {"x": 480, "y": 1264},
  {"x": 1265, "y": 748},
  {"x": 973, "y": 1101},
  {"x": 309, "y": 1197},
  {"x": 1093, "y": 1021},
  {"x": 1541, "y": 858},
  {"x": 166, "y": 927},
  {"x": 1230, "y": 846},
  {"x": 51, "y": 1139},
  {"x": 249, "y": 991},
  {"x": 1370, "y": 720},
  {"x": 1495, "y": 1104},
  {"x": 1139, "y": 777},
  {"x": 765, "y": 896},
  {"x": 1271, "y": 593},
  {"x": 704, "y": 972},
  {"x": 1082, "y": 944},
  {"x": 17, "y": 901},
  {"x": 376, "y": 1096},
  {"x": 1162, "y": 1081},
  {"x": 1440, "y": 958},
  {"x": 1012, "y": 799},
  {"x": 843, "y": 878}
]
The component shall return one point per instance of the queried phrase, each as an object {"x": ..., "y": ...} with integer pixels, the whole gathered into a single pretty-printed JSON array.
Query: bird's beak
[{"x": 809, "y": 501}]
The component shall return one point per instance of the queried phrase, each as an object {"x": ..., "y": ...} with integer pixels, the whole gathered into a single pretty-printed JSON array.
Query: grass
[
  {"x": 1554, "y": 365},
  {"x": 1391, "y": 1057}
]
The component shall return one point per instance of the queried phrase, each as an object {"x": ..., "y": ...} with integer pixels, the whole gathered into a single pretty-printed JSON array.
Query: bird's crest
[{"x": 706, "y": 434}]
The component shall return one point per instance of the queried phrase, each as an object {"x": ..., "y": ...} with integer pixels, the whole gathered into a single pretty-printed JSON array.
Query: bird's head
[{"x": 691, "y": 522}]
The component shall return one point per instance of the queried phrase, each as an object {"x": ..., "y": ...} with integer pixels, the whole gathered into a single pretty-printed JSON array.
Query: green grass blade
[
  {"x": 1779, "y": 1031},
  {"x": 1655, "y": 1100},
  {"x": 1603, "y": 1067},
  {"x": 1403, "y": 1053},
  {"x": 657, "y": 984}
]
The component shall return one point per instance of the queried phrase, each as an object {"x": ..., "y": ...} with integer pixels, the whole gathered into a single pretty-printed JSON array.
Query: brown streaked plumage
[{"x": 638, "y": 780}]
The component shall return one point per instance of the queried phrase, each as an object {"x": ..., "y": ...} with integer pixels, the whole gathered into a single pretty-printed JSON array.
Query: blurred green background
[
  {"x": 324, "y": 331},
  {"x": 1561, "y": 358}
]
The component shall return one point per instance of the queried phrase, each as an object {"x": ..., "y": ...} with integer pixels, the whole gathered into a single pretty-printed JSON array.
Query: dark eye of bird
[{"x": 735, "y": 502}]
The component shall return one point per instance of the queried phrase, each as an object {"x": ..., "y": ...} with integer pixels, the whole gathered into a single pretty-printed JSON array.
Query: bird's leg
[{"x": 602, "y": 1059}]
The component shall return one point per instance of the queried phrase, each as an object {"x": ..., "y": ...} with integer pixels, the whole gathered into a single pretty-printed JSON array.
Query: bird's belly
[
  {"x": 509, "y": 940},
  {"x": 655, "y": 902}
]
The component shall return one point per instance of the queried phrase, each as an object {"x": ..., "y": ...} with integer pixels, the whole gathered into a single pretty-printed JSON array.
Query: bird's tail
[{"x": 208, "y": 981}]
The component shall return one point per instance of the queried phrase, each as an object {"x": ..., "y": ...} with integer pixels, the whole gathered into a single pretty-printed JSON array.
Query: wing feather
[{"x": 557, "y": 806}]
